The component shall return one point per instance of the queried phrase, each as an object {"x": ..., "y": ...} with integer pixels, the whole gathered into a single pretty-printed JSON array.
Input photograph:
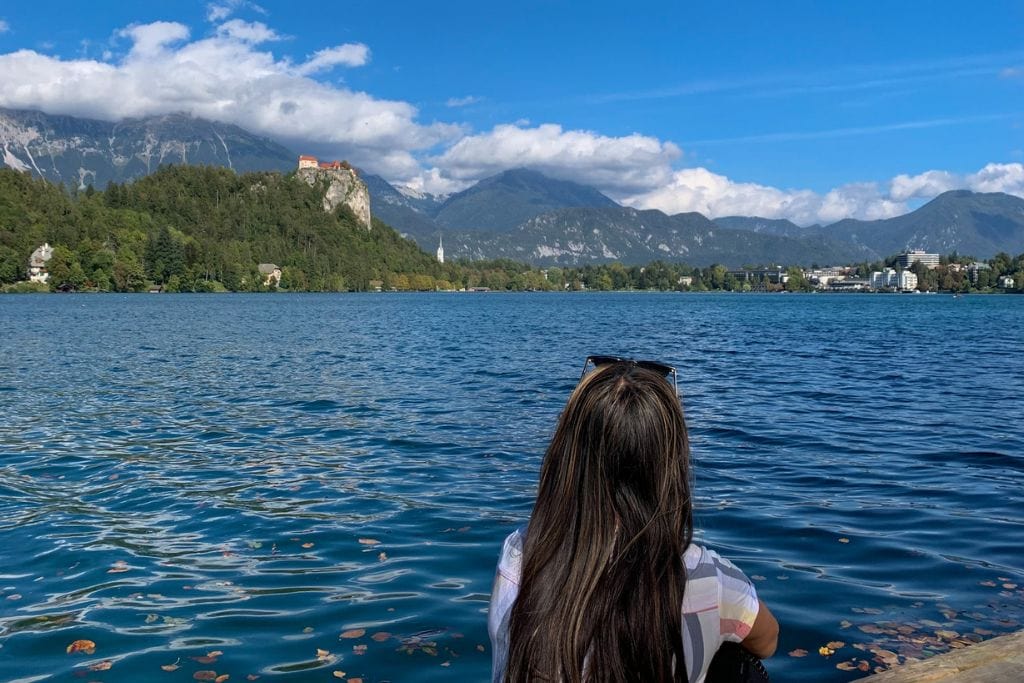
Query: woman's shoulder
[{"x": 511, "y": 560}]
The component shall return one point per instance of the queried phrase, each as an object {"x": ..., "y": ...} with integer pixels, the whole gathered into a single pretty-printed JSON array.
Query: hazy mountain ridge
[{"x": 80, "y": 152}]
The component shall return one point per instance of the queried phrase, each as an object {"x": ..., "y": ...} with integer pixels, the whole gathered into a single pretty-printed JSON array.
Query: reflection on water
[{"x": 289, "y": 486}]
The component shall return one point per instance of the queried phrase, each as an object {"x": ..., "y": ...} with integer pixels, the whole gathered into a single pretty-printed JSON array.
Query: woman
[{"x": 604, "y": 584}]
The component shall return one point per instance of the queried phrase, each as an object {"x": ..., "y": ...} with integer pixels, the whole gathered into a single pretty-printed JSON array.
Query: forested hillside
[{"x": 191, "y": 228}]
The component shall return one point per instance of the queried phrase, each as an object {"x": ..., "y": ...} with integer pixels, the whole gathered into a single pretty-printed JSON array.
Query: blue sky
[{"x": 806, "y": 110}]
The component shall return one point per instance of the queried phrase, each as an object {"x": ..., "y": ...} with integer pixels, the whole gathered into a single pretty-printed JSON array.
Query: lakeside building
[
  {"x": 823, "y": 277},
  {"x": 974, "y": 268},
  {"x": 270, "y": 273},
  {"x": 849, "y": 284},
  {"x": 890, "y": 278},
  {"x": 909, "y": 258},
  {"x": 37, "y": 268},
  {"x": 1006, "y": 282}
]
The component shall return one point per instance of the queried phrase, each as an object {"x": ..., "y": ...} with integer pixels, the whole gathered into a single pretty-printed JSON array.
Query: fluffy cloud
[
  {"x": 924, "y": 185},
  {"x": 698, "y": 189},
  {"x": 228, "y": 77},
  {"x": 627, "y": 163},
  {"x": 1008, "y": 178},
  {"x": 350, "y": 54}
]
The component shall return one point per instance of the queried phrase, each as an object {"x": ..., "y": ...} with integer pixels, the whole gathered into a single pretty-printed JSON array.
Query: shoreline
[{"x": 997, "y": 660}]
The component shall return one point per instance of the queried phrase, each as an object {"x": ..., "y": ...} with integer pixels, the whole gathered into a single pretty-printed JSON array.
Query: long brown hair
[{"x": 602, "y": 579}]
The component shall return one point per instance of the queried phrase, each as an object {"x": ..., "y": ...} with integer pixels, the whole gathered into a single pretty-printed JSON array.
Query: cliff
[{"x": 343, "y": 186}]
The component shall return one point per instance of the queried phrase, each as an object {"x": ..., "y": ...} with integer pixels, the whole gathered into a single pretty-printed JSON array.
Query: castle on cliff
[
  {"x": 306, "y": 161},
  {"x": 343, "y": 185}
]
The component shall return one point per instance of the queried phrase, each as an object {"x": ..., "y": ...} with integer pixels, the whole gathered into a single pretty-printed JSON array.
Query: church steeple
[{"x": 440, "y": 249}]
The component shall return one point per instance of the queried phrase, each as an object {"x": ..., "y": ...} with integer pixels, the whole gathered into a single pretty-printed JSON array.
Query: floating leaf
[
  {"x": 381, "y": 636},
  {"x": 871, "y": 628},
  {"x": 101, "y": 666},
  {"x": 205, "y": 675},
  {"x": 844, "y": 540},
  {"x": 308, "y": 545},
  {"x": 863, "y": 665},
  {"x": 369, "y": 541},
  {"x": 798, "y": 653},
  {"x": 338, "y": 674},
  {"x": 446, "y": 663},
  {"x": 825, "y": 651},
  {"x": 119, "y": 566},
  {"x": 480, "y": 648},
  {"x": 758, "y": 577},
  {"x": 14, "y": 596},
  {"x": 991, "y": 584},
  {"x": 836, "y": 644},
  {"x": 354, "y": 633},
  {"x": 947, "y": 635},
  {"x": 1009, "y": 586},
  {"x": 355, "y": 680},
  {"x": 846, "y": 666},
  {"x": 308, "y": 629},
  {"x": 171, "y": 667},
  {"x": 322, "y": 655},
  {"x": 383, "y": 556},
  {"x": 845, "y": 624},
  {"x": 86, "y": 646},
  {"x": 221, "y": 678},
  {"x": 252, "y": 677}
]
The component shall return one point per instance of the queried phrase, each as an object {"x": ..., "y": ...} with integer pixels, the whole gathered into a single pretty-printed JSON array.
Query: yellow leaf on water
[
  {"x": 354, "y": 633},
  {"x": 824, "y": 651},
  {"x": 86, "y": 646},
  {"x": 369, "y": 541},
  {"x": 322, "y": 654}
]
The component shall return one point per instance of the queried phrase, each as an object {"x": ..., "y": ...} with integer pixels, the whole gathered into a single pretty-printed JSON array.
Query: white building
[
  {"x": 440, "y": 250},
  {"x": 37, "y": 271},
  {"x": 907, "y": 259},
  {"x": 884, "y": 279},
  {"x": 906, "y": 281},
  {"x": 306, "y": 161},
  {"x": 1006, "y": 282}
]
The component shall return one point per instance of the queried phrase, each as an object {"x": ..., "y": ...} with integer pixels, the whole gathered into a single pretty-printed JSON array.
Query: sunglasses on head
[{"x": 651, "y": 365}]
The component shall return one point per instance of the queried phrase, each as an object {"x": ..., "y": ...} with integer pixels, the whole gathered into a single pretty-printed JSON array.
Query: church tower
[{"x": 440, "y": 250}]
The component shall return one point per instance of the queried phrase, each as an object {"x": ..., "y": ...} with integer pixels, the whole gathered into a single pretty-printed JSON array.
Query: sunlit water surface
[{"x": 256, "y": 475}]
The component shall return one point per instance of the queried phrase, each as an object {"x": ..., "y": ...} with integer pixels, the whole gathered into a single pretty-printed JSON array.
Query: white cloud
[
  {"x": 714, "y": 195},
  {"x": 4, "y": 26},
  {"x": 462, "y": 101},
  {"x": 627, "y": 163},
  {"x": 226, "y": 77},
  {"x": 924, "y": 185},
  {"x": 349, "y": 54},
  {"x": 1008, "y": 178},
  {"x": 255, "y": 32},
  {"x": 219, "y": 11}
]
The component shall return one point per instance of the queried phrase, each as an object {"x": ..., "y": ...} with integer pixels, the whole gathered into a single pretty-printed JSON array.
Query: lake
[{"x": 288, "y": 486}]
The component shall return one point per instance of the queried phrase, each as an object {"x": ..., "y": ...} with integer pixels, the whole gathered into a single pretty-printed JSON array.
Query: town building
[
  {"x": 884, "y": 279},
  {"x": 974, "y": 268},
  {"x": 822, "y": 277},
  {"x": 37, "y": 268},
  {"x": 271, "y": 274},
  {"x": 906, "y": 281},
  {"x": 909, "y": 258}
]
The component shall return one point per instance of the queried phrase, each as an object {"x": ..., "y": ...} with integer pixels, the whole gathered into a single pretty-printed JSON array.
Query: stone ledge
[{"x": 999, "y": 660}]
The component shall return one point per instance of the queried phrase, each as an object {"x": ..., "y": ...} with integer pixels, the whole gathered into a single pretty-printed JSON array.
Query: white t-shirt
[{"x": 719, "y": 605}]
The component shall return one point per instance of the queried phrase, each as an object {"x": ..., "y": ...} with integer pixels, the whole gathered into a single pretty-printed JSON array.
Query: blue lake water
[{"x": 255, "y": 475}]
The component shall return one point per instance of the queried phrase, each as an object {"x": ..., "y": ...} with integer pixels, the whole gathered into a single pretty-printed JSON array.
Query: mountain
[
  {"x": 769, "y": 226},
  {"x": 81, "y": 152},
  {"x": 506, "y": 200},
  {"x": 978, "y": 224},
  {"x": 580, "y": 236},
  {"x": 406, "y": 211}
]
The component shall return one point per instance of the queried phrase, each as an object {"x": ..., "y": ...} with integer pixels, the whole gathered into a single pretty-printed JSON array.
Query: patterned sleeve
[
  {"x": 503, "y": 595},
  {"x": 738, "y": 605}
]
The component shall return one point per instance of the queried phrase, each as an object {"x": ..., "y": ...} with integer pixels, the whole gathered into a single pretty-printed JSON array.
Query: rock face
[
  {"x": 81, "y": 152},
  {"x": 343, "y": 186}
]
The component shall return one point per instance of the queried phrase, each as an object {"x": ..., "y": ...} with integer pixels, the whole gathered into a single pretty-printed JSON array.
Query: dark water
[{"x": 192, "y": 474}]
